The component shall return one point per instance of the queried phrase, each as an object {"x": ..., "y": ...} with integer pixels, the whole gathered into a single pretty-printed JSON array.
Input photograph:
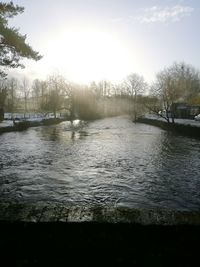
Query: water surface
[{"x": 108, "y": 162}]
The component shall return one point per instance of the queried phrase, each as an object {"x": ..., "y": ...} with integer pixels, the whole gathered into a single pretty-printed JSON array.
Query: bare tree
[
  {"x": 25, "y": 90},
  {"x": 3, "y": 95},
  {"x": 36, "y": 93},
  {"x": 57, "y": 90},
  {"x": 177, "y": 83},
  {"x": 134, "y": 85},
  {"x": 12, "y": 95}
]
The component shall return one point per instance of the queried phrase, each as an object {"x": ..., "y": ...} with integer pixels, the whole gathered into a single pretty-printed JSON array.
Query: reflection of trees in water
[
  {"x": 173, "y": 181},
  {"x": 73, "y": 135},
  {"x": 173, "y": 149},
  {"x": 64, "y": 132}
]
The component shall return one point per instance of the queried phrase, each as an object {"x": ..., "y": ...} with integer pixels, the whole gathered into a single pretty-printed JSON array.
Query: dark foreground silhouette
[
  {"x": 32, "y": 236},
  {"x": 58, "y": 244}
]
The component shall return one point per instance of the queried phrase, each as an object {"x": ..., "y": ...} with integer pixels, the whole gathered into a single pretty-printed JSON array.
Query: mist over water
[{"x": 108, "y": 162}]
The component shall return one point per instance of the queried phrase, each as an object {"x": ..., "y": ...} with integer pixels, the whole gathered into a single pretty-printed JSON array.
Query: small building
[
  {"x": 185, "y": 111},
  {"x": 193, "y": 111}
]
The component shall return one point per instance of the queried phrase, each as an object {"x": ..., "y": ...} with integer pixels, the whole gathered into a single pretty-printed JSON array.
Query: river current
[{"x": 111, "y": 162}]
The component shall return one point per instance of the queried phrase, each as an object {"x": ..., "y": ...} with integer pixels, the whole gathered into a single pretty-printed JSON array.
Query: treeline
[
  {"x": 57, "y": 95},
  {"x": 176, "y": 84},
  {"x": 179, "y": 83}
]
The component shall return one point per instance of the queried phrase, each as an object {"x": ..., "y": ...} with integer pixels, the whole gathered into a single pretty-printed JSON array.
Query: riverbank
[
  {"x": 59, "y": 213},
  {"x": 184, "y": 128},
  {"x": 9, "y": 126},
  {"x": 59, "y": 235}
]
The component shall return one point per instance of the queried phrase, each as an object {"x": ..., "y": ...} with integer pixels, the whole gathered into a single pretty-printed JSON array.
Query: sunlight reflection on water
[{"x": 108, "y": 162}]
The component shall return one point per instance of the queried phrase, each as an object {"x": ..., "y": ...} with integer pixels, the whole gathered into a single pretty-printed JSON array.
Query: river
[{"x": 108, "y": 163}]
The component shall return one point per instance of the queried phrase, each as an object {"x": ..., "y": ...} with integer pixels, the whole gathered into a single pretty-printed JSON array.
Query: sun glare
[{"x": 85, "y": 55}]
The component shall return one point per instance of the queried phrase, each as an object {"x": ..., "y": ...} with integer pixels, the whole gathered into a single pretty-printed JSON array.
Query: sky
[{"x": 108, "y": 39}]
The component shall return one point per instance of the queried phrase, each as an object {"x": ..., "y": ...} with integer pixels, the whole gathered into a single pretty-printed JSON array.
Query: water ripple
[{"x": 108, "y": 162}]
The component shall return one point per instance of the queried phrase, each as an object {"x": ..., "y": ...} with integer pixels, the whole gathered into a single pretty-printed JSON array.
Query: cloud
[
  {"x": 164, "y": 14},
  {"x": 116, "y": 20}
]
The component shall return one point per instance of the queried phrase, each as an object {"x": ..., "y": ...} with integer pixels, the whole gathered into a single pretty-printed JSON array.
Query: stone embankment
[
  {"x": 177, "y": 127},
  {"x": 23, "y": 125},
  {"x": 59, "y": 213},
  {"x": 54, "y": 235}
]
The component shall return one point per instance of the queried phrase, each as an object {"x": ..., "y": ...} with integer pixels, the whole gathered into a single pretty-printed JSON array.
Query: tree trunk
[{"x": 1, "y": 114}]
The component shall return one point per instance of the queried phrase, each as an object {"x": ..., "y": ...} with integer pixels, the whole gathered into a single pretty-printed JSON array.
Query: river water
[{"x": 110, "y": 162}]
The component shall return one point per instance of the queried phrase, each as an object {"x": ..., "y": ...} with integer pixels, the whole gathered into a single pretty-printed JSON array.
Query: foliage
[
  {"x": 13, "y": 46},
  {"x": 175, "y": 84},
  {"x": 86, "y": 104}
]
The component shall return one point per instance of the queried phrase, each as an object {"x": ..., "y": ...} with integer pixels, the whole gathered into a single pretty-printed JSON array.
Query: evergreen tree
[{"x": 13, "y": 46}]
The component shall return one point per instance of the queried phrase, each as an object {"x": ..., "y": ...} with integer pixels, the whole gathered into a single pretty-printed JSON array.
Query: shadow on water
[{"x": 64, "y": 132}]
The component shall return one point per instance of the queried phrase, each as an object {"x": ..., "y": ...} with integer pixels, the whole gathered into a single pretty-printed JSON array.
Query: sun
[{"x": 89, "y": 55}]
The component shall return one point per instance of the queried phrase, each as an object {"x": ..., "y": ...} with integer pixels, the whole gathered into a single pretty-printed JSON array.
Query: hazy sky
[{"x": 95, "y": 39}]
